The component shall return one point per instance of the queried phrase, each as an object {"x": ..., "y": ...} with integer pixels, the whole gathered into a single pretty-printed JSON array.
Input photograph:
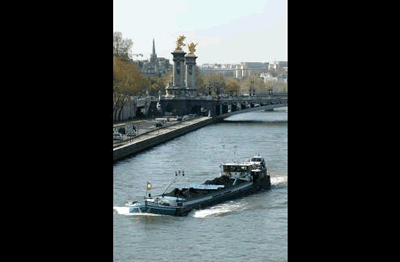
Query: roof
[
  {"x": 238, "y": 164},
  {"x": 202, "y": 186}
]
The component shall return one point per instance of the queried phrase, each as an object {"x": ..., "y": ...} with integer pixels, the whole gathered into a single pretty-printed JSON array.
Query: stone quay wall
[{"x": 159, "y": 137}]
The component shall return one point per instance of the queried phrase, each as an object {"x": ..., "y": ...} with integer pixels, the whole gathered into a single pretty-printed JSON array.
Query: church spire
[
  {"x": 154, "y": 48},
  {"x": 153, "y": 56}
]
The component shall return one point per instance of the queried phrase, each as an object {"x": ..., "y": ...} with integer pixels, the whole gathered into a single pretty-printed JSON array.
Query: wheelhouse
[
  {"x": 237, "y": 168},
  {"x": 258, "y": 161}
]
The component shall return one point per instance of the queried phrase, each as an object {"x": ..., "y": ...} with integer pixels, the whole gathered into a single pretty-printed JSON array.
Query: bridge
[
  {"x": 219, "y": 108},
  {"x": 233, "y": 106}
]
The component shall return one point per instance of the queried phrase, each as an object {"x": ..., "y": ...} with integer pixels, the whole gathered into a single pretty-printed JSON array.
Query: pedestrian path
[{"x": 161, "y": 131}]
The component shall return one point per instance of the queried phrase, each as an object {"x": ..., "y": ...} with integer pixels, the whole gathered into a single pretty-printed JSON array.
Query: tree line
[{"x": 127, "y": 79}]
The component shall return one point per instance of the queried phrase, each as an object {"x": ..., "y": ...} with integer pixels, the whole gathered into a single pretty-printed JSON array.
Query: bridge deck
[
  {"x": 258, "y": 108},
  {"x": 223, "y": 106}
]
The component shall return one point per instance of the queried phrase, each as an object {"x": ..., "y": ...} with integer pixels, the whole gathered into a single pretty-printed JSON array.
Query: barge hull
[
  {"x": 225, "y": 195},
  {"x": 236, "y": 180}
]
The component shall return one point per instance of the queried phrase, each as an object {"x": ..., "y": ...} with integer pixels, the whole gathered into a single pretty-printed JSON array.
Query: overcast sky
[{"x": 228, "y": 31}]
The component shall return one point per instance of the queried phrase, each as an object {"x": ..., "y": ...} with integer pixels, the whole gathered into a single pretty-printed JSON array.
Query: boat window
[{"x": 235, "y": 168}]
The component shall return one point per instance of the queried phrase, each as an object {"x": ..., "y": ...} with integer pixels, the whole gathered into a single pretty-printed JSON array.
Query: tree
[
  {"x": 201, "y": 86},
  {"x": 253, "y": 82},
  {"x": 232, "y": 87},
  {"x": 121, "y": 47},
  {"x": 127, "y": 81},
  {"x": 155, "y": 84},
  {"x": 215, "y": 84}
]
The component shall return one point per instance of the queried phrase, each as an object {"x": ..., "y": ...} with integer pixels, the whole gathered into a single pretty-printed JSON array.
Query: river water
[{"x": 252, "y": 228}]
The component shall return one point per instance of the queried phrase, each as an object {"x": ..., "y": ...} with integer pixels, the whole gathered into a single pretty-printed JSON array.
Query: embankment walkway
[{"x": 159, "y": 136}]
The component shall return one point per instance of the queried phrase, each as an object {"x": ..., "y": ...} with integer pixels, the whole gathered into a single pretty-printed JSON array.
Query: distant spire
[
  {"x": 154, "y": 48},
  {"x": 153, "y": 56}
]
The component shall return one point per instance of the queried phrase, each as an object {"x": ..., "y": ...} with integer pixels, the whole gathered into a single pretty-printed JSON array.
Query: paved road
[
  {"x": 146, "y": 125},
  {"x": 148, "y": 129}
]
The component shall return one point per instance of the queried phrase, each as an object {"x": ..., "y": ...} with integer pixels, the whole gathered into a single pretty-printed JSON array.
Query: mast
[{"x": 176, "y": 176}]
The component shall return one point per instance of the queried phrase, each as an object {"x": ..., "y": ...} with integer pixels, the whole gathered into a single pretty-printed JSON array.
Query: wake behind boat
[{"x": 236, "y": 180}]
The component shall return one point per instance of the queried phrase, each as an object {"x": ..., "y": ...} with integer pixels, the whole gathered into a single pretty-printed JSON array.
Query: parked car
[
  {"x": 185, "y": 118},
  {"x": 121, "y": 130},
  {"x": 117, "y": 136}
]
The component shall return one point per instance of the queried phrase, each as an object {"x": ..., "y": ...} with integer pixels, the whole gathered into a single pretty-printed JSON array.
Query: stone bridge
[
  {"x": 218, "y": 108},
  {"x": 229, "y": 107}
]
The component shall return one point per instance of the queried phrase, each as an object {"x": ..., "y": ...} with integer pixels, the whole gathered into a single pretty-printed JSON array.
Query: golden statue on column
[
  {"x": 179, "y": 42},
  {"x": 192, "y": 48}
]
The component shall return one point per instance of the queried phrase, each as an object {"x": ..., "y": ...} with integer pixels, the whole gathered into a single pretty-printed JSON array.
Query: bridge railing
[
  {"x": 188, "y": 97},
  {"x": 230, "y": 98}
]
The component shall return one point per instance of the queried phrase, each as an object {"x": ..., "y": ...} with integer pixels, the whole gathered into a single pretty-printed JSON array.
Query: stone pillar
[
  {"x": 178, "y": 82},
  {"x": 191, "y": 74},
  {"x": 179, "y": 68}
]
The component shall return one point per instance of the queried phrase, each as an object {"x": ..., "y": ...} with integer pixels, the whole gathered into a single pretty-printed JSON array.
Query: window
[{"x": 235, "y": 168}]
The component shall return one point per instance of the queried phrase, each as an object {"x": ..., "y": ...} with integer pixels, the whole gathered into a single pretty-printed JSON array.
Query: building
[
  {"x": 241, "y": 70},
  {"x": 276, "y": 65},
  {"x": 245, "y": 69},
  {"x": 277, "y": 81},
  {"x": 227, "y": 70},
  {"x": 156, "y": 66}
]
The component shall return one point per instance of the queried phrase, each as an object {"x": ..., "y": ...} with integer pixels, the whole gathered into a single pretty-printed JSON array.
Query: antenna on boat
[
  {"x": 187, "y": 178},
  {"x": 176, "y": 177},
  {"x": 234, "y": 152}
]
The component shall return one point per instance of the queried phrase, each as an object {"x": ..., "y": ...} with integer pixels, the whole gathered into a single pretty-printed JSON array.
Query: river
[{"x": 252, "y": 228}]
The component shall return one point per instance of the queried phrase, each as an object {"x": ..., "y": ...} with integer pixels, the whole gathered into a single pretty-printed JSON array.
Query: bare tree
[{"x": 121, "y": 47}]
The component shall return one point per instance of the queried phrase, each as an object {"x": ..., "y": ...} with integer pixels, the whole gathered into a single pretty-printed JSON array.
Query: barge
[{"x": 235, "y": 180}]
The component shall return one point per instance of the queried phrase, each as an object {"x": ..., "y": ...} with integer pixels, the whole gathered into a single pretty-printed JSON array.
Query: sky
[{"x": 227, "y": 31}]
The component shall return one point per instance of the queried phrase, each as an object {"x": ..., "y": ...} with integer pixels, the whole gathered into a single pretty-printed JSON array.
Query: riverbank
[
  {"x": 146, "y": 125},
  {"x": 158, "y": 136}
]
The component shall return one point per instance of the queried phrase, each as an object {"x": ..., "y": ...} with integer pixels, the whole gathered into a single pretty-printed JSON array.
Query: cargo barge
[{"x": 235, "y": 180}]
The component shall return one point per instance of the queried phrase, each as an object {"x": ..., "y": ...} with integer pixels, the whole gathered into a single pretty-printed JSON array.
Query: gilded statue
[
  {"x": 179, "y": 42},
  {"x": 192, "y": 48}
]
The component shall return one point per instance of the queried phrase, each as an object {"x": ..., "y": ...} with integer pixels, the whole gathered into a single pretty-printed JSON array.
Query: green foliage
[
  {"x": 232, "y": 87},
  {"x": 155, "y": 84}
]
